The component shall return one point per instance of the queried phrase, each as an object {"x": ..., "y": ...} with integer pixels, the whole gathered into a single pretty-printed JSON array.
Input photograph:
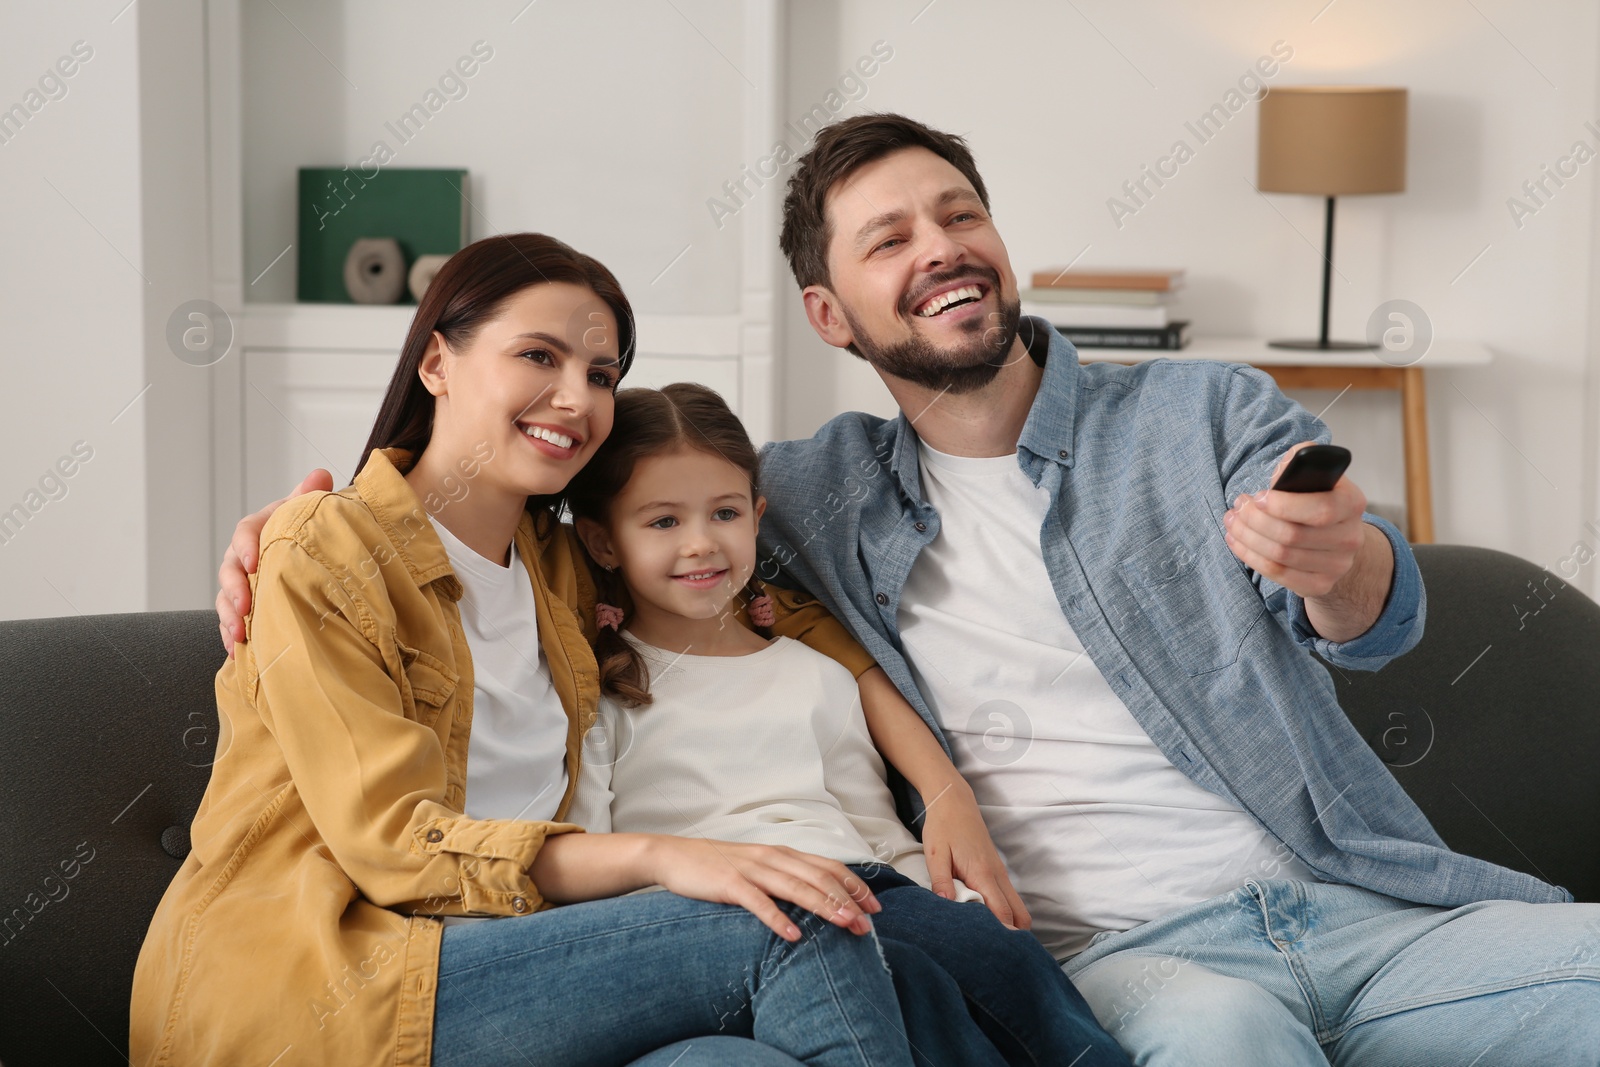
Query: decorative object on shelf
[
  {"x": 375, "y": 271},
  {"x": 1328, "y": 141},
  {"x": 422, "y": 272},
  {"x": 423, "y": 209}
]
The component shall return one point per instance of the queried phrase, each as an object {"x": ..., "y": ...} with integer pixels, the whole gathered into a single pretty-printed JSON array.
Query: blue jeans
[
  {"x": 1290, "y": 973},
  {"x": 716, "y": 1052},
  {"x": 610, "y": 981},
  {"x": 1021, "y": 1009}
]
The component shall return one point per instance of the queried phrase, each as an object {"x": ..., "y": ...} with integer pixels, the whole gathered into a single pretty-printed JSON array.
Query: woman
[{"x": 400, "y": 735}]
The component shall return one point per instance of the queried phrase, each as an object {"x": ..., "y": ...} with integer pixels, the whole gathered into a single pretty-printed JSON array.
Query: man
[{"x": 1043, "y": 557}]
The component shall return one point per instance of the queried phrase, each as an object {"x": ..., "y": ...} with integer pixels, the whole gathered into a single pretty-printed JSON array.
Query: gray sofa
[{"x": 109, "y": 727}]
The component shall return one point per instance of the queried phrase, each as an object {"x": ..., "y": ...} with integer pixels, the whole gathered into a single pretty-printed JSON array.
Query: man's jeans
[
  {"x": 1289, "y": 973},
  {"x": 609, "y": 981}
]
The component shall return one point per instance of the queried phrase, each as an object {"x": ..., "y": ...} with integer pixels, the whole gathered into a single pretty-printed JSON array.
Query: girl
[
  {"x": 400, "y": 741},
  {"x": 713, "y": 729}
]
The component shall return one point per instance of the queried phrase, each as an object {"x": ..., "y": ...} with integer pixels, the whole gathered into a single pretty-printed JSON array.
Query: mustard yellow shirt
[{"x": 332, "y": 831}]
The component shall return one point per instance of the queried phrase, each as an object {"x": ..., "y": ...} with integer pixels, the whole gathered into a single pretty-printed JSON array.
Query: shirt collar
[
  {"x": 384, "y": 489},
  {"x": 1048, "y": 431}
]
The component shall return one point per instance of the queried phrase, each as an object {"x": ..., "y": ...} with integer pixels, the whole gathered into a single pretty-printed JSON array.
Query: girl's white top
[{"x": 769, "y": 748}]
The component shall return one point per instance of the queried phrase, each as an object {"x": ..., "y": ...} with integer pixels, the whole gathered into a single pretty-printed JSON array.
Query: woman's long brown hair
[
  {"x": 468, "y": 291},
  {"x": 651, "y": 422}
]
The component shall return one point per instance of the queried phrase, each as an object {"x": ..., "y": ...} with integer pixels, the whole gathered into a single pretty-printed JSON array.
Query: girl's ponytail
[
  {"x": 624, "y": 675},
  {"x": 757, "y": 606}
]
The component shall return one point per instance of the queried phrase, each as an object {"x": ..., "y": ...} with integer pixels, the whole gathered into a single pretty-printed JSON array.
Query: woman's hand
[
  {"x": 956, "y": 842},
  {"x": 751, "y": 876},
  {"x": 244, "y": 552}
]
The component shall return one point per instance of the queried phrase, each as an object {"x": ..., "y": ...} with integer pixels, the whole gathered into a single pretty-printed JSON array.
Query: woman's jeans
[
  {"x": 1019, "y": 1007},
  {"x": 611, "y": 981}
]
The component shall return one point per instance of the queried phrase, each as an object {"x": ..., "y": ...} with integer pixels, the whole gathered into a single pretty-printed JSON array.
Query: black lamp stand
[{"x": 1322, "y": 344}]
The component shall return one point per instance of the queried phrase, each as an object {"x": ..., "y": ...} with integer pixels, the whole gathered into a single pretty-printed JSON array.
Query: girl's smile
[{"x": 702, "y": 579}]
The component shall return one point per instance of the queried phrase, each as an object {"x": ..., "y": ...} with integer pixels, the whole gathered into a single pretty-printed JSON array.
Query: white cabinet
[{"x": 305, "y": 409}]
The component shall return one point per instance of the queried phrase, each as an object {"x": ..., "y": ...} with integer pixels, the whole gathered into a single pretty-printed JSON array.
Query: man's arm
[
  {"x": 1354, "y": 603},
  {"x": 244, "y": 552},
  {"x": 1346, "y": 583},
  {"x": 1317, "y": 545}
]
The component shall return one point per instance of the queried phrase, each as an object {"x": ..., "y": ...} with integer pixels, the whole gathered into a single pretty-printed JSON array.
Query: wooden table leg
[{"x": 1414, "y": 428}]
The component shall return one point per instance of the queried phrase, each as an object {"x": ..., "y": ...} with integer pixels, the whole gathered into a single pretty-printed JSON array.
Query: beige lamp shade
[{"x": 1332, "y": 140}]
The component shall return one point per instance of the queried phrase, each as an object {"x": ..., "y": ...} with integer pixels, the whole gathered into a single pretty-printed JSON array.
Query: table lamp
[{"x": 1331, "y": 140}]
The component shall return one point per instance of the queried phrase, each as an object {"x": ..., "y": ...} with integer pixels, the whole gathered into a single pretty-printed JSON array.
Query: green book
[{"x": 425, "y": 209}]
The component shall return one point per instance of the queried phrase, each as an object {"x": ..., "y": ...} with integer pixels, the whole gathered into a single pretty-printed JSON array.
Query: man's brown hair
[{"x": 839, "y": 151}]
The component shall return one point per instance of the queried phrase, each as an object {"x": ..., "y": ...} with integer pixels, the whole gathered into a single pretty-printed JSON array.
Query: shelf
[
  {"x": 357, "y": 327},
  {"x": 1256, "y": 351}
]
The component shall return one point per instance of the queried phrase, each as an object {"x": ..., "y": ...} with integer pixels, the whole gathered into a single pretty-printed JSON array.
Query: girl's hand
[
  {"x": 751, "y": 876},
  {"x": 956, "y": 842}
]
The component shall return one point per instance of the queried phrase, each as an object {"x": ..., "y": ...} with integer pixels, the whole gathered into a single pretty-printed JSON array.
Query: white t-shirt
[
  {"x": 517, "y": 749},
  {"x": 1099, "y": 829},
  {"x": 769, "y": 748}
]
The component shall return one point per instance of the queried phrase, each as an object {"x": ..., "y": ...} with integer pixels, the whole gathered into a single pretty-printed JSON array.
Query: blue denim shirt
[{"x": 1210, "y": 657}]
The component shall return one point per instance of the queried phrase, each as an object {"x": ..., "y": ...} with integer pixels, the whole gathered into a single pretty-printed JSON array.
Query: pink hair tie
[
  {"x": 608, "y": 615},
  {"x": 760, "y": 611}
]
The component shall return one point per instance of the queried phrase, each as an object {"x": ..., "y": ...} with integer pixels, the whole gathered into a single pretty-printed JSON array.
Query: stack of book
[{"x": 1109, "y": 309}]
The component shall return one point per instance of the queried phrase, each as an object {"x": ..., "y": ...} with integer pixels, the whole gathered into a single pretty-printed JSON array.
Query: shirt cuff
[{"x": 1397, "y": 629}]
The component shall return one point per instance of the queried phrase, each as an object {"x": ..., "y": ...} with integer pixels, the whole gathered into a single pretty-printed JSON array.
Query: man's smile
[{"x": 955, "y": 297}]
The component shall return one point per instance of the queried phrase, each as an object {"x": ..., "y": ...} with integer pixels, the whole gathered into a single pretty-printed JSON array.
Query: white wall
[
  {"x": 71, "y": 296},
  {"x": 1063, "y": 103},
  {"x": 175, "y": 222},
  {"x": 103, "y": 237}
]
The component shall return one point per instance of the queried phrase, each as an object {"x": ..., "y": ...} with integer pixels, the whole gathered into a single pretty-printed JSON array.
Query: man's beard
[{"x": 969, "y": 365}]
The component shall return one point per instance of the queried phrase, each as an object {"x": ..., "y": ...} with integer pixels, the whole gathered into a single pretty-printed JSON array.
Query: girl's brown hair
[
  {"x": 468, "y": 291},
  {"x": 651, "y": 422}
]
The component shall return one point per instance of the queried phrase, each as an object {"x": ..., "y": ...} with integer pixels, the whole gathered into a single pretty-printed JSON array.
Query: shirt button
[
  {"x": 1062, "y": 453},
  {"x": 435, "y": 836},
  {"x": 882, "y": 599},
  {"x": 922, "y": 527},
  {"x": 519, "y": 905}
]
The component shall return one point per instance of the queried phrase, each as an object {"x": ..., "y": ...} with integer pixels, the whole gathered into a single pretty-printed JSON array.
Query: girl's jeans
[{"x": 1020, "y": 1008}]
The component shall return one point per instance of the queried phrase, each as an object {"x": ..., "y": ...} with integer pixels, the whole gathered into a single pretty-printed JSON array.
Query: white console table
[{"x": 1340, "y": 370}]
